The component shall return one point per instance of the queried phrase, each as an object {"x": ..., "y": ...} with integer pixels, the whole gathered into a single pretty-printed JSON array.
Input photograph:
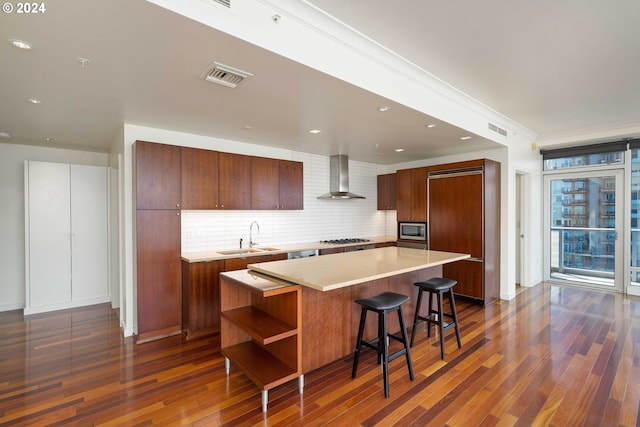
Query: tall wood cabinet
[
  {"x": 411, "y": 194},
  {"x": 158, "y": 243},
  {"x": 464, "y": 217},
  {"x": 66, "y": 236}
]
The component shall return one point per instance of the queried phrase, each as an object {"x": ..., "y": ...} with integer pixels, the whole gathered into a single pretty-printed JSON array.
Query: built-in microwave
[{"x": 413, "y": 231}]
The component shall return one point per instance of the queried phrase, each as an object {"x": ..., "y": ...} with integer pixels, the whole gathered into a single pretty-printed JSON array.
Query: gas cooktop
[{"x": 343, "y": 241}]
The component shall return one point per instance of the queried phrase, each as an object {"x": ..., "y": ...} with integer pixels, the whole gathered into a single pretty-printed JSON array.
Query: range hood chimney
[{"x": 339, "y": 179}]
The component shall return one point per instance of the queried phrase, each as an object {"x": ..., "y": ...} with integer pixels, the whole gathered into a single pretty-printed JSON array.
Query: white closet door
[
  {"x": 89, "y": 277},
  {"x": 49, "y": 202}
]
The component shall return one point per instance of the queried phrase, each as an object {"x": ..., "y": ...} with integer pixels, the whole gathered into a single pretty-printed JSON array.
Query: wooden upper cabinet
[
  {"x": 199, "y": 178},
  {"x": 157, "y": 175},
  {"x": 291, "y": 185},
  {"x": 387, "y": 186},
  {"x": 173, "y": 177},
  {"x": 234, "y": 181},
  {"x": 276, "y": 184},
  {"x": 265, "y": 183},
  {"x": 411, "y": 195}
]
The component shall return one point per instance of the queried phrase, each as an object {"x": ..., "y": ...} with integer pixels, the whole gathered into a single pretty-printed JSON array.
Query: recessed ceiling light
[
  {"x": 431, "y": 125},
  {"x": 35, "y": 101},
  {"x": 246, "y": 127},
  {"x": 48, "y": 139},
  {"x": 384, "y": 108},
  {"x": 314, "y": 131},
  {"x": 464, "y": 138},
  {"x": 399, "y": 150},
  {"x": 21, "y": 44},
  {"x": 6, "y": 135}
]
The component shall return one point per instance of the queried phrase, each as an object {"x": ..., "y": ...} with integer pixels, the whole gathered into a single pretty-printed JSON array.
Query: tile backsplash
[{"x": 321, "y": 219}]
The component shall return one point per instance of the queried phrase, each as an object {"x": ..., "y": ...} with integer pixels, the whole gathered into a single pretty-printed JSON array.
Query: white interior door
[
  {"x": 49, "y": 228},
  {"x": 89, "y": 275}
]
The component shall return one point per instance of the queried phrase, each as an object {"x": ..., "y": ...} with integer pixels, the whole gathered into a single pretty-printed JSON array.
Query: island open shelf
[
  {"x": 264, "y": 369},
  {"x": 260, "y": 324},
  {"x": 263, "y": 328}
]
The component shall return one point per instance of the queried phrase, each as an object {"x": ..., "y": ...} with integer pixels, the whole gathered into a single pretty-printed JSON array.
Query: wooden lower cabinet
[
  {"x": 159, "y": 272},
  {"x": 386, "y": 244},
  {"x": 201, "y": 298},
  {"x": 260, "y": 329},
  {"x": 330, "y": 251},
  {"x": 232, "y": 264},
  {"x": 470, "y": 277}
]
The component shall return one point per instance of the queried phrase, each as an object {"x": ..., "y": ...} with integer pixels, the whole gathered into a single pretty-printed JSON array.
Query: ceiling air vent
[
  {"x": 497, "y": 129},
  {"x": 224, "y": 75}
]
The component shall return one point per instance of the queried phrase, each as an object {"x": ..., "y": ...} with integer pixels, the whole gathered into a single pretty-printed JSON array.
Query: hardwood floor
[{"x": 553, "y": 356}]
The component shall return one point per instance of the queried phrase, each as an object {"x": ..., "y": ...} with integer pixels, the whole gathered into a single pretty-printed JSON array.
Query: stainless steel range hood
[{"x": 339, "y": 179}]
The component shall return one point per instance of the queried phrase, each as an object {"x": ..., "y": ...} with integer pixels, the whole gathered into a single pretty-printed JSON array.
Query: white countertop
[
  {"x": 213, "y": 255},
  {"x": 335, "y": 271}
]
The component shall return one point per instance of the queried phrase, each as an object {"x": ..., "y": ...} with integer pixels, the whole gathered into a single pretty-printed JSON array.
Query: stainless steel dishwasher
[{"x": 303, "y": 254}]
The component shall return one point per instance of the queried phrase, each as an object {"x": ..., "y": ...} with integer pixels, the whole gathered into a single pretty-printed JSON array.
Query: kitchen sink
[
  {"x": 247, "y": 251},
  {"x": 239, "y": 251}
]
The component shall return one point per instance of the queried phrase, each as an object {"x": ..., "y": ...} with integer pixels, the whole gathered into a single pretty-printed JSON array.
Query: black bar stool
[
  {"x": 438, "y": 286},
  {"x": 383, "y": 304}
]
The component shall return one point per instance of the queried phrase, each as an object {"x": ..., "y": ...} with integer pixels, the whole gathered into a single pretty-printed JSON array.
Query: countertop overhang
[{"x": 334, "y": 271}]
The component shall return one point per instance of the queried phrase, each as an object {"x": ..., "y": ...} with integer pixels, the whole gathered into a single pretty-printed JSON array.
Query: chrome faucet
[{"x": 251, "y": 242}]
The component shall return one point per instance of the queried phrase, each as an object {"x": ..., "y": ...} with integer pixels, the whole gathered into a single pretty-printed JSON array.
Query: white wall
[{"x": 12, "y": 227}]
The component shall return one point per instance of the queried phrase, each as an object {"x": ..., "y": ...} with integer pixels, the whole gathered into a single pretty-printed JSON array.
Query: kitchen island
[{"x": 309, "y": 306}]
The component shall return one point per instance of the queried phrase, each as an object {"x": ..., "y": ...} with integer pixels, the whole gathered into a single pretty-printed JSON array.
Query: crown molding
[
  {"x": 306, "y": 14},
  {"x": 592, "y": 134}
]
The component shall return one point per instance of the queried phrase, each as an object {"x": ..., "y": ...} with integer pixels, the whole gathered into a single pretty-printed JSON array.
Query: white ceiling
[{"x": 553, "y": 67}]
